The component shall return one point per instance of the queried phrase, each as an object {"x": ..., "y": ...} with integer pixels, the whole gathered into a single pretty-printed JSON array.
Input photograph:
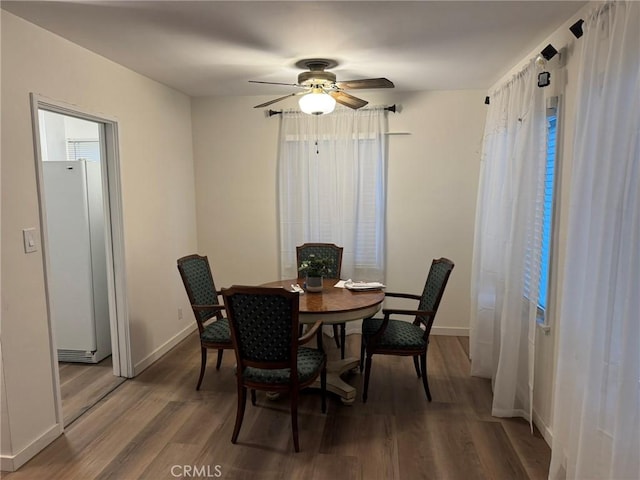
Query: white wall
[
  {"x": 234, "y": 149},
  {"x": 52, "y": 136},
  {"x": 432, "y": 189},
  {"x": 159, "y": 215},
  {"x": 78, "y": 129},
  {"x": 432, "y": 185}
]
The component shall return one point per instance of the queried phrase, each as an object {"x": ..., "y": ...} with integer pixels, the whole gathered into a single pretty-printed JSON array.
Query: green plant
[{"x": 315, "y": 266}]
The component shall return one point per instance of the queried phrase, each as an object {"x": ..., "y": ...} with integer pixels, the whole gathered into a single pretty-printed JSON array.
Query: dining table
[{"x": 335, "y": 304}]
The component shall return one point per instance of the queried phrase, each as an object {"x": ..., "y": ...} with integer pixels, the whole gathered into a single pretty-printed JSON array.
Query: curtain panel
[
  {"x": 332, "y": 187},
  {"x": 508, "y": 242},
  {"x": 596, "y": 415}
]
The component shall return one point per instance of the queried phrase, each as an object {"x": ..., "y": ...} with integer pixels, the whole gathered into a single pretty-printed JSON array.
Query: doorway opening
[{"x": 81, "y": 218}]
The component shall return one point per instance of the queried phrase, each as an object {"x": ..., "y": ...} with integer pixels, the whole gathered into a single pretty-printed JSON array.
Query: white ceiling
[{"x": 215, "y": 47}]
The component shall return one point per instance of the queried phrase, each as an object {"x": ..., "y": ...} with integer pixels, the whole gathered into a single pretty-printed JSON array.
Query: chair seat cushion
[
  {"x": 217, "y": 332},
  {"x": 309, "y": 363},
  {"x": 399, "y": 335}
]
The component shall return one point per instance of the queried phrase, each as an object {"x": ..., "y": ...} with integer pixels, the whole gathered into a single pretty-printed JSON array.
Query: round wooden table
[{"x": 336, "y": 305}]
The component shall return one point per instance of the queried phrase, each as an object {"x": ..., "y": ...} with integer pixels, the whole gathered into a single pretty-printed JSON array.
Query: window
[
  {"x": 331, "y": 188},
  {"x": 83, "y": 149},
  {"x": 547, "y": 216}
]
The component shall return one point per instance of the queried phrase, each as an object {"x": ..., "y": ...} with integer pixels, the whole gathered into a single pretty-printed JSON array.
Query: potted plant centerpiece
[{"x": 314, "y": 268}]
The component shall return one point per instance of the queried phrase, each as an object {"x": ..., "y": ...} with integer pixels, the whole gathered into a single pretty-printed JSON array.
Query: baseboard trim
[
  {"x": 11, "y": 463},
  {"x": 542, "y": 428},
  {"x": 450, "y": 331},
  {"x": 146, "y": 362}
]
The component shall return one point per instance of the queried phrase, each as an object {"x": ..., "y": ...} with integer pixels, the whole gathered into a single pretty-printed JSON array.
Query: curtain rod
[{"x": 391, "y": 108}]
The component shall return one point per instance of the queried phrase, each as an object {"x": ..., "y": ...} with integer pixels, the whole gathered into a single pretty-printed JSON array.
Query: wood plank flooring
[
  {"x": 157, "y": 426},
  {"x": 82, "y": 385}
]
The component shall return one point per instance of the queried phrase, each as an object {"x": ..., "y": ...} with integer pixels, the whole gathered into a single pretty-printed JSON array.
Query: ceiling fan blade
[
  {"x": 277, "y": 83},
  {"x": 348, "y": 100},
  {"x": 366, "y": 83},
  {"x": 266, "y": 104}
]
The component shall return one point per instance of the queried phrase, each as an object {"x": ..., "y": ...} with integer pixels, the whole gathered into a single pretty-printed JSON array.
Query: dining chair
[
  {"x": 264, "y": 326},
  {"x": 389, "y": 336},
  {"x": 213, "y": 328},
  {"x": 333, "y": 254}
]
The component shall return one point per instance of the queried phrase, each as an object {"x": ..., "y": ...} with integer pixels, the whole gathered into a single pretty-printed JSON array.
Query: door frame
[{"x": 114, "y": 233}]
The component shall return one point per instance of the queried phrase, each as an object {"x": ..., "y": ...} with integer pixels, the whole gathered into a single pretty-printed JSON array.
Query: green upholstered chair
[
  {"x": 333, "y": 254},
  {"x": 213, "y": 328},
  {"x": 387, "y": 336},
  {"x": 264, "y": 326}
]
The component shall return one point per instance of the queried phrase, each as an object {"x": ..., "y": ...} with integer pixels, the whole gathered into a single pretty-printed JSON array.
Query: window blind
[
  {"x": 547, "y": 217},
  {"x": 83, "y": 149}
]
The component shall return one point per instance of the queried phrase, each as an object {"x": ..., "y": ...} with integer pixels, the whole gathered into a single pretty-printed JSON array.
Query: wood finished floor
[
  {"x": 82, "y": 385},
  {"x": 158, "y": 421}
]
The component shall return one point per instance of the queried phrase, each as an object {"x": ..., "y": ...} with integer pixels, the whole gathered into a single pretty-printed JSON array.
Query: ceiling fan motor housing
[{"x": 317, "y": 77}]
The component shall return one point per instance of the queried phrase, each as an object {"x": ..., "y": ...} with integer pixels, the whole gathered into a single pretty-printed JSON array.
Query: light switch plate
[{"x": 30, "y": 240}]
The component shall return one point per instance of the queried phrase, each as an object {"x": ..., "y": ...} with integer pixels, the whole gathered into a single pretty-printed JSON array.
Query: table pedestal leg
[{"x": 335, "y": 384}]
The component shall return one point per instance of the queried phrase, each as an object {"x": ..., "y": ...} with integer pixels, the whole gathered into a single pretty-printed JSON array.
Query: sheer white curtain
[
  {"x": 596, "y": 416},
  {"x": 331, "y": 184},
  {"x": 507, "y": 246}
]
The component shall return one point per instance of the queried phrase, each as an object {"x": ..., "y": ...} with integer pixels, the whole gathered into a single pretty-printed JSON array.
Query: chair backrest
[
  {"x": 198, "y": 281},
  {"x": 264, "y": 324},
  {"x": 330, "y": 251},
  {"x": 434, "y": 289}
]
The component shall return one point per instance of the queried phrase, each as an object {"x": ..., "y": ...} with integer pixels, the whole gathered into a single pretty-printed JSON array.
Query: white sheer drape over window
[
  {"x": 331, "y": 184},
  {"x": 508, "y": 241},
  {"x": 596, "y": 416}
]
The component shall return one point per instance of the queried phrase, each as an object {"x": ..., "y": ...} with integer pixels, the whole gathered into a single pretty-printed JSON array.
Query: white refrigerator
[{"x": 78, "y": 268}]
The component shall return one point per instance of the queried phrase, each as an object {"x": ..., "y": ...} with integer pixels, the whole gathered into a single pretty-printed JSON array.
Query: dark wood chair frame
[
  {"x": 295, "y": 385},
  {"x": 212, "y": 313},
  {"x": 423, "y": 318},
  {"x": 339, "y": 329}
]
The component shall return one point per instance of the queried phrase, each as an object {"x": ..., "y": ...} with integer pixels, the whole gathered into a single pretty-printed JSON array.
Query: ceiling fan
[{"x": 321, "y": 90}]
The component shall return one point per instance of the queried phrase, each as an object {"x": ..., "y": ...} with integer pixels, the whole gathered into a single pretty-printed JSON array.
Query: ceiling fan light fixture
[
  {"x": 322, "y": 91},
  {"x": 317, "y": 103}
]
